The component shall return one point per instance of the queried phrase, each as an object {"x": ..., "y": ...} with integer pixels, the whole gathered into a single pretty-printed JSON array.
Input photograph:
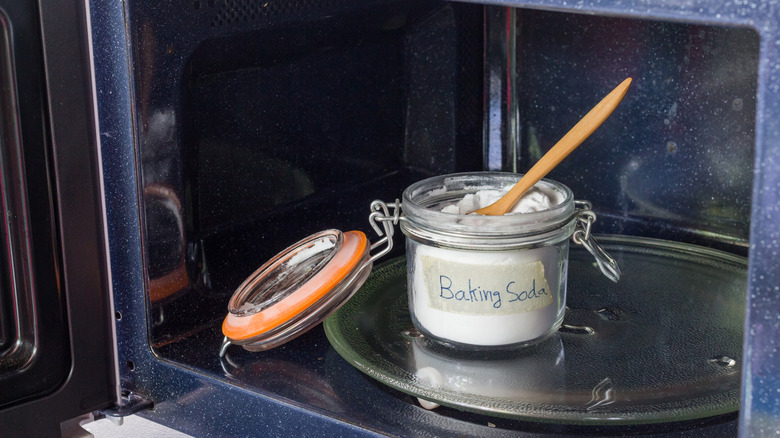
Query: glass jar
[{"x": 486, "y": 281}]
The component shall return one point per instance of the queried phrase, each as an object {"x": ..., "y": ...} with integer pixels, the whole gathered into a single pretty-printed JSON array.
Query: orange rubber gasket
[{"x": 238, "y": 328}]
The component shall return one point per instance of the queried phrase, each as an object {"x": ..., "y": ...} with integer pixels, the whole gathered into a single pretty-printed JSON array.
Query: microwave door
[{"x": 56, "y": 323}]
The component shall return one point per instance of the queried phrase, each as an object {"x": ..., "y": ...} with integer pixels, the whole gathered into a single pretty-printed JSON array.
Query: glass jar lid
[{"x": 297, "y": 289}]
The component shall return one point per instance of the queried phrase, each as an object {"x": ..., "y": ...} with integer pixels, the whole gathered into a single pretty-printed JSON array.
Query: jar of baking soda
[{"x": 491, "y": 281}]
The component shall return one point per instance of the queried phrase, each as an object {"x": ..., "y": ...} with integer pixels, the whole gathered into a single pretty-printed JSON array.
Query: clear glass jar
[{"x": 485, "y": 281}]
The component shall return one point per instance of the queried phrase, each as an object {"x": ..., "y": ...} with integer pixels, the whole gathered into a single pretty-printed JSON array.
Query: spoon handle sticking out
[{"x": 582, "y": 130}]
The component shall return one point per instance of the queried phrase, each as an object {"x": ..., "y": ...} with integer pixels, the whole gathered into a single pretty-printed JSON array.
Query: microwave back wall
[{"x": 229, "y": 129}]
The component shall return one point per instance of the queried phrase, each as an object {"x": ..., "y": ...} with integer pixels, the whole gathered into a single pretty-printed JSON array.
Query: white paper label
[{"x": 485, "y": 289}]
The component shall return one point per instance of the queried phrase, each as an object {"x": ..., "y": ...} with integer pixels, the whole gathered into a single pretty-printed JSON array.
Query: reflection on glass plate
[{"x": 664, "y": 344}]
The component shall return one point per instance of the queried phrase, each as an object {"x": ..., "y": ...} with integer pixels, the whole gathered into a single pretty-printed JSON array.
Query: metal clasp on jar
[
  {"x": 380, "y": 215},
  {"x": 582, "y": 236}
]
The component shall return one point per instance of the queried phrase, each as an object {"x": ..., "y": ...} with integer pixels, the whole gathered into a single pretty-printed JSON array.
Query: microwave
[{"x": 155, "y": 154}]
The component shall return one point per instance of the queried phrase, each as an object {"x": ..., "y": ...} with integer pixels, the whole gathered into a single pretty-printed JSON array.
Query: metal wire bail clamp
[
  {"x": 380, "y": 215},
  {"x": 582, "y": 236}
]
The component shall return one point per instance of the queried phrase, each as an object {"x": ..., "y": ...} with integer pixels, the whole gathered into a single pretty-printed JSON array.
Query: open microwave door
[{"x": 56, "y": 323}]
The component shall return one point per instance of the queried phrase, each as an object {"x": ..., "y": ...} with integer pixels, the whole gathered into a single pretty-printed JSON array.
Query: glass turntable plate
[{"x": 664, "y": 344}]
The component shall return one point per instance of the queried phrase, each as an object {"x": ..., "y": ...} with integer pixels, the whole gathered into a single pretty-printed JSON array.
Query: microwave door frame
[{"x": 74, "y": 156}]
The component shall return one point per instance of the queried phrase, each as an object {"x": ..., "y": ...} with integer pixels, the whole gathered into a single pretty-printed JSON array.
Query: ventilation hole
[
  {"x": 130, "y": 365},
  {"x": 232, "y": 12},
  {"x": 118, "y": 315}
]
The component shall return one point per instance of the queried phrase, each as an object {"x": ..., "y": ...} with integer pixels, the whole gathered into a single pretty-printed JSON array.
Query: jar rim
[{"x": 419, "y": 197}]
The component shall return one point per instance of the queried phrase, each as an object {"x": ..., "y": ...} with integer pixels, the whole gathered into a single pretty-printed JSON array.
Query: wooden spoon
[{"x": 582, "y": 130}]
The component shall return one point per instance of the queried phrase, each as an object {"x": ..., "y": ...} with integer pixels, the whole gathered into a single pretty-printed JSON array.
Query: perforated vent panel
[{"x": 231, "y": 12}]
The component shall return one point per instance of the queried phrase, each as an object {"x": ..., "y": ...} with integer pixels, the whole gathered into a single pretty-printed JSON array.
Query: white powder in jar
[
  {"x": 480, "y": 272},
  {"x": 490, "y": 298},
  {"x": 535, "y": 199}
]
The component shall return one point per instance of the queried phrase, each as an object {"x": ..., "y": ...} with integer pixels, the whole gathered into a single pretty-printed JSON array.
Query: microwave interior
[{"x": 265, "y": 122}]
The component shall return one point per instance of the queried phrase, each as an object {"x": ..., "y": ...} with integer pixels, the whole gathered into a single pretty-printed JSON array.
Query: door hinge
[{"x": 129, "y": 403}]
